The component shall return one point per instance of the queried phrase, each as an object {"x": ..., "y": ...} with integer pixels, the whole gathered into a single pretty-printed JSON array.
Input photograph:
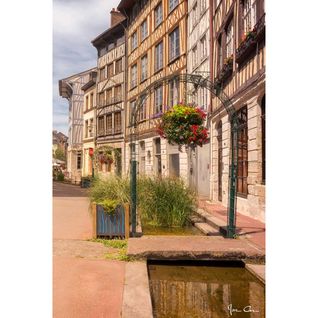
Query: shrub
[
  {"x": 60, "y": 176},
  {"x": 160, "y": 201},
  {"x": 165, "y": 201},
  {"x": 113, "y": 189}
]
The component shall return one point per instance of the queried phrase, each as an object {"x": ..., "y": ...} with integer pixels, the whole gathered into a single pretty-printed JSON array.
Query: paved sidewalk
[
  {"x": 85, "y": 285},
  {"x": 247, "y": 228}
]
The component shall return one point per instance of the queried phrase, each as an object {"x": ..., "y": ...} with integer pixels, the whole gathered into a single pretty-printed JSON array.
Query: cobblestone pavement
[{"x": 85, "y": 285}]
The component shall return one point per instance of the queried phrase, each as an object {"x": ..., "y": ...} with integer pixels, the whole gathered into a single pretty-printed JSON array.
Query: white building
[{"x": 71, "y": 89}]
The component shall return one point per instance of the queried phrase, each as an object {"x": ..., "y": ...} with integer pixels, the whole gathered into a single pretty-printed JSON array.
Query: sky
[{"x": 75, "y": 24}]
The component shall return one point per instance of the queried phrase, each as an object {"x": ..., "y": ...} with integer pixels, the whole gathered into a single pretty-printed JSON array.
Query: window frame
[
  {"x": 158, "y": 99},
  {"x": 172, "y": 5},
  {"x": 156, "y": 22},
  {"x": 159, "y": 56},
  {"x": 174, "y": 44},
  {"x": 144, "y": 67},
  {"x": 133, "y": 76},
  {"x": 144, "y": 30},
  {"x": 242, "y": 152},
  {"x": 134, "y": 41}
]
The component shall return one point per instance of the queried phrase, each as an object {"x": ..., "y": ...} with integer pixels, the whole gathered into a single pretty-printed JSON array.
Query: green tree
[{"x": 59, "y": 154}]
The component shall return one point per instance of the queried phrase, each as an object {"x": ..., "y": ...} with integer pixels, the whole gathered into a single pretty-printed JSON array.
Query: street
[{"x": 85, "y": 285}]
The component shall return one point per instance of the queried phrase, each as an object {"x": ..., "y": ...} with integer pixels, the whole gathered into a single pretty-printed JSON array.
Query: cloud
[{"x": 75, "y": 24}]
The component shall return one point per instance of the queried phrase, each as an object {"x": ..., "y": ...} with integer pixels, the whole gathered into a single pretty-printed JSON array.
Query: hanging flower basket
[{"x": 183, "y": 125}]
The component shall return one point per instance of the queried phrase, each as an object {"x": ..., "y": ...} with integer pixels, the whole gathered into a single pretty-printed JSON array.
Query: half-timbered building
[
  {"x": 198, "y": 62},
  {"x": 110, "y": 89},
  {"x": 89, "y": 124},
  {"x": 238, "y": 67},
  {"x": 156, "y": 47},
  {"x": 71, "y": 89}
]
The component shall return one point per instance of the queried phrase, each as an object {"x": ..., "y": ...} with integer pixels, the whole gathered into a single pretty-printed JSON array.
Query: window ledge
[{"x": 174, "y": 59}]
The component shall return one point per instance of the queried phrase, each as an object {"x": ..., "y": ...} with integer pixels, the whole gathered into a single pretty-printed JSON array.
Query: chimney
[{"x": 115, "y": 17}]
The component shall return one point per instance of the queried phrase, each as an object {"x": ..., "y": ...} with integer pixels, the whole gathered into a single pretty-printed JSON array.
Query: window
[
  {"x": 242, "y": 152},
  {"x": 157, "y": 159},
  {"x": 86, "y": 128},
  {"x": 158, "y": 99},
  {"x": 195, "y": 56},
  {"x": 173, "y": 4},
  {"x": 133, "y": 76},
  {"x": 132, "y": 110},
  {"x": 229, "y": 40},
  {"x": 204, "y": 48},
  {"x": 144, "y": 65},
  {"x": 102, "y": 73},
  {"x": 101, "y": 125},
  {"x": 263, "y": 140},
  {"x": 109, "y": 124},
  {"x": 142, "y": 158},
  {"x": 91, "y": 102},
  {"x": 118, "y": 94},
  {"x": 108, "y": 96},
  {"x": 119, "y": 66},
  {"x": 174, "y": 45},
  {"x": 142, "y": 111},
  {"x": 79, "y": 160},
  {"x": 110, "y": 70},
  {"x": 173, "y": 92},
  {"x": 117, "y": 122},
  {"x": 90, "y": 127},
  {"x": 86, "y": 102},
  {"x": 249, "y": 15},
  {"x": 158, "y": 14},
  {"x": 134, "y": 41},
  {"x": 144, "y": 30},
  {"x": 159, "y": 56},
  {"x": 101, "y": 98},
  {"x": 220, "y": 54}
]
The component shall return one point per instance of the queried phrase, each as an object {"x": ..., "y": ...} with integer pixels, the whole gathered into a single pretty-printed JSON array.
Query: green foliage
[
  {"x": 109, "y": 205},
  {"x": 119, "y": 251},
  {"x": 183, "y": 125},
  {"x": 160, "y": 201},
  {"x": 60, "y": 176},
  {"x": 112, "y": 243},
  {"x": 113, "y": 189},
  {"x": 59, "y": 154},
  {"x": 165, "y": 201}
]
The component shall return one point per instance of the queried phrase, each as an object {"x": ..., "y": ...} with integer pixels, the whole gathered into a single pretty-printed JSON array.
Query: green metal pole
[
  {"x": 231, "y": 227},
  {"x": 133, "y": 194}
]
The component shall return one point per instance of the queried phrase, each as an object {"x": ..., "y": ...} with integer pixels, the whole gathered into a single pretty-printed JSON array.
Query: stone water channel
[{"x": 204, "y": 289}]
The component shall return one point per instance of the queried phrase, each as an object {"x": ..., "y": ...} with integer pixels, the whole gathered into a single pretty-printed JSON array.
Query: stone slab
[
  {"x": 136, "y": 298},
  {"x": 193, "y": 248},
  {"x": 206, "y": 228}
]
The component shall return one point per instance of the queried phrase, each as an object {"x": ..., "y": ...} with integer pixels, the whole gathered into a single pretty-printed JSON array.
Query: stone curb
[{"x": 136, "y": 298}]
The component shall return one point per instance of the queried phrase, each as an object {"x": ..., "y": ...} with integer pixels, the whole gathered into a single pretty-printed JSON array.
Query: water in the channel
[{"x": 218, "y": 291}]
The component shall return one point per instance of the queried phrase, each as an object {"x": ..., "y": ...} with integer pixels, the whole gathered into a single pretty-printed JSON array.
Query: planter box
[
  {"x": 245, "y": 50},
  {"x": 111, "y": 225},
  {"x": 225, "y": 74}
]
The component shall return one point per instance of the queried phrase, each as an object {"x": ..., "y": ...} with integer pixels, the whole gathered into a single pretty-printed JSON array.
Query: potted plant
[{"x": 183, "y": 125}]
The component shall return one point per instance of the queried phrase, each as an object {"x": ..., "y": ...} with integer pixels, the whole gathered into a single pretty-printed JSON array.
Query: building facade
[
  {"x": 198, "y": 62},
  {"x": 238, "y": 67},
  {"x": 89, "y": 117},
  {"x": 156, "y": 47},
  {"x": 110, "y": 89},
  {"x": 71, "y": 89}
]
